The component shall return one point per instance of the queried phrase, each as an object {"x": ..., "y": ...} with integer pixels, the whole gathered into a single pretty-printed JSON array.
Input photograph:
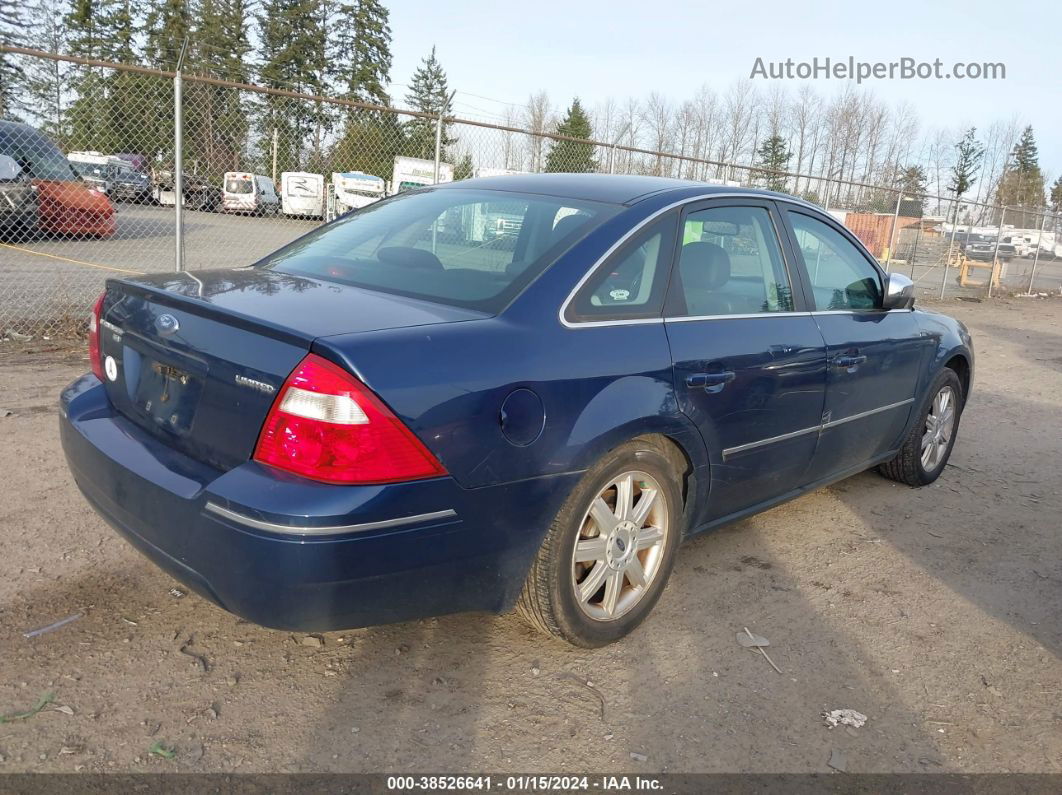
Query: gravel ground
[{"x": 933, "y": 612}]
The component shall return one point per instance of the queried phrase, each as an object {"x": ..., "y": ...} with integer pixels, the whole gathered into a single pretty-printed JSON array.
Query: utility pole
[{"x": 178, "y": 162}]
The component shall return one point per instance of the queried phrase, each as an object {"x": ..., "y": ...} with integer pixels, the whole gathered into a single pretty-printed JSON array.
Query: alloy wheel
[
  {"x": 940, "y": 425},
  {"x": 620, "y": 546}
]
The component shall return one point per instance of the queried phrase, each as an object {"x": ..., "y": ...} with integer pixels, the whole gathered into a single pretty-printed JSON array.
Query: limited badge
[{"x": 110, "y": 367}]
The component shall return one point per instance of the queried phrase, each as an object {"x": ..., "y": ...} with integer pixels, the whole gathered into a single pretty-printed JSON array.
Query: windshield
[
  {"x": 36, "y": 154},
  {"x": 444, "y": 245},
  {"x": 89, "y": 170},
  {"x": 239, "y": 186}
]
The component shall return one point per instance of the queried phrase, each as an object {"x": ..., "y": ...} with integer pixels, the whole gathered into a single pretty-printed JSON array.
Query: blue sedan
[{"x": 510, "y": 392}]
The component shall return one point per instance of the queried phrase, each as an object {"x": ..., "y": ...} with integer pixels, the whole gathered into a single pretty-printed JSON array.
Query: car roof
[{"x": 612, "y": 188}]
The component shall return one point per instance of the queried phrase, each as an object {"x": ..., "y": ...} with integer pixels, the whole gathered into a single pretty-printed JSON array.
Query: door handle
[
  {"x": 849, "y": 363},
  {"x": 710, "y": 382}
]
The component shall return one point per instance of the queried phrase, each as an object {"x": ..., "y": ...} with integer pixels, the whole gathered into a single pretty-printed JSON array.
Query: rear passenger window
[
  {"x": 841, "y": 277},
  {"x": 631, "y": 283},
  {"x": 730, "y": 263}
]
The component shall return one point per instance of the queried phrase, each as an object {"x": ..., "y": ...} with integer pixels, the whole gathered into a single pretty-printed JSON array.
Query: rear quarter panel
[{"x": 598, "y": 387}]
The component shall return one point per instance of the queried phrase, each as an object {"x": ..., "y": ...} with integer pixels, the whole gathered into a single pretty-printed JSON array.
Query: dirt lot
[{"x": 936, "y": 613}]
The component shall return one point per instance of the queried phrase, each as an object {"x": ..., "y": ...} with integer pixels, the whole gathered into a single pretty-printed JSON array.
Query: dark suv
[
  {"x": 983, "y": 248},
  {"x": 18, "y": 199}
]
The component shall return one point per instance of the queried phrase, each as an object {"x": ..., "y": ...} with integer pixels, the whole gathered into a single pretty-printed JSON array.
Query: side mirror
[{"x": 899, "y": 292}]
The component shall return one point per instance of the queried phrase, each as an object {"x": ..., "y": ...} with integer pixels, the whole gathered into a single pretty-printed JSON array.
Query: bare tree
[
  {"x": 739, "y": 110},
  {"x": 707, "y": 105},
  {"x": 657, "y": 115},
  {"x": 537, "y": 119},
  {"x": 632, "y": 119}
]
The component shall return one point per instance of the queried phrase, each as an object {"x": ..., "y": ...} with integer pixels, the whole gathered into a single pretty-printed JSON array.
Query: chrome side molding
[{"x": 288, "y": 529}]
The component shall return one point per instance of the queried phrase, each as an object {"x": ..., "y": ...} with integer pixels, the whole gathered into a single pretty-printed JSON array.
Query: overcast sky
[{"x": 601, "y": 48}]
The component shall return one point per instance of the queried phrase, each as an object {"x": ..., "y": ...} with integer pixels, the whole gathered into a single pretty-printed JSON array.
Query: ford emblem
[{"x": 167, "y": 325}]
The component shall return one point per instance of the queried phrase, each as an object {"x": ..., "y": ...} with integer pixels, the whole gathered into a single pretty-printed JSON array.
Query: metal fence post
[
  {"x": 995, "y": 254},
  {"x": 438, "y": 144},
  {"x": 892, "y": 233},
  {"x": 178, "y": 164},
  {"x": 438, "y": 133},
  {"x": 1036, "y": 257},
  {"x": 951, "y": 245},
  {"x": 612, "y": 149}
]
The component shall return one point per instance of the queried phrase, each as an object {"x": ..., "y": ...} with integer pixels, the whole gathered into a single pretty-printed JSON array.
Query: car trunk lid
[{"x": 197, "y": 359}]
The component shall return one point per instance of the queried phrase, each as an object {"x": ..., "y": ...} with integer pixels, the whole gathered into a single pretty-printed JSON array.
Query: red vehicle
[{"x": 66, "y": 206}]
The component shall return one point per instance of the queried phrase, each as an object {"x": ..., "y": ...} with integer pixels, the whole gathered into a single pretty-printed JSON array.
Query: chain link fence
[{"x": 132, "y": 170}]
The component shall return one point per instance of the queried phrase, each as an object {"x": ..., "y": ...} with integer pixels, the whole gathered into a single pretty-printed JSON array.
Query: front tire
[
  {"x": 609, "y": 552},
  {"x": 927, "y": 448}
]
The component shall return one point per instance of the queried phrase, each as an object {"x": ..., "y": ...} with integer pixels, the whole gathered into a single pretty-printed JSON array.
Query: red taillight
[
  {"x": 95, "y": 357},
  {"x": 326, "y": 425}
]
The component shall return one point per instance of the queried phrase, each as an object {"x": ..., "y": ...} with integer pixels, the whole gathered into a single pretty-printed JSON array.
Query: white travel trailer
[
  {"x": 302, "y": 194},
  {"x": 350, "y": 190},
  {"x": 412, "y": 172},
  {"x": 97, "y": 169}
]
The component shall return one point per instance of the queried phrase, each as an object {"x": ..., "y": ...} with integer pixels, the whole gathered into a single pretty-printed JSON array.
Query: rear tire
[
  {"x": 623, "y": 521},
  {"x": 928, "y": 445}
]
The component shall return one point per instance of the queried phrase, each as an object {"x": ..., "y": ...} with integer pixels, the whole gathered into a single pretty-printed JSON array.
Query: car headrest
[
  {"x": 566, "y": 225},
  {"x": 704, "y": 265},
  {"x": 408, "y": 257}
]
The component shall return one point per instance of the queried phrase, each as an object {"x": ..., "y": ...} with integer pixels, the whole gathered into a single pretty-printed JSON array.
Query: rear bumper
[
  {"x": 239, "y": 206},
  {"x": 387, "y": 553},
  {"x": 77, "y": 222},
  {"x": 130, "y": 193}
]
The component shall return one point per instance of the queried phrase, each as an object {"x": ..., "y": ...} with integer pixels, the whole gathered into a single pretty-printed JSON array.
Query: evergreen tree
[
  {"x": 290, "y": 36},
  {"x": 1026, "y": 156},
  {"x": 1056, "y": 195},
  {"x": 1022, "y": 183},
  {"x": 772, "y": 159},
  {"x": 221, "y": 48},
  {"x": 967, "y": 162},
  {"x": 428, "y": 93},
  {"x": 167, "y": 26},
  {"x": 370, "y": 143},
  {"x": 12, "y": 74},
  {"x": 573, "y": 156},
  {"x": 361, "y": 67},
  {"x": 47, "y": 82},
  {"x": 361, "y": 51},
  {"x": 912, "y": 183},
  {"x": 464, "y": 168},
  {"x": 125, "y": 90},
  {"x": 90, "y": 34}
]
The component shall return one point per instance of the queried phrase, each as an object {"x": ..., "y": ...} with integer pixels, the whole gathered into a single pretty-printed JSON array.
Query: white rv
[
  {"x": 302, "y": 194},
  {"x": 412, "y": 172},
  {"x": 97, "y": 169},
  {"x": 353, "y": 189},
  {"x": 497, "y": 172}
]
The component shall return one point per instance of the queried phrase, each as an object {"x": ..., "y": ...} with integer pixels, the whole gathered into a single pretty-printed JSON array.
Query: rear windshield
[
  {"x": 239, "y": 186},
  {"x": 471, "y": 248}
]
